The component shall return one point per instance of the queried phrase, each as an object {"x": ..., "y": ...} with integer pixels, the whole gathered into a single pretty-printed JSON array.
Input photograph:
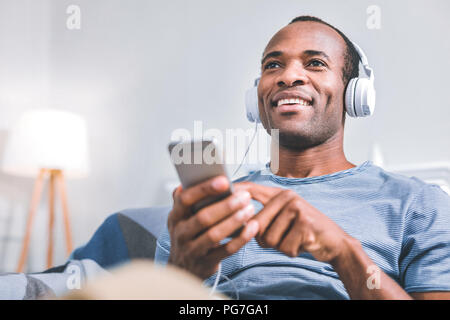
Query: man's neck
[{"x": 323, "y": 159}]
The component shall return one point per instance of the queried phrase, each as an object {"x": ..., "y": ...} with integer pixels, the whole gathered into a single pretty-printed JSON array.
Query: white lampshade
[{"x": 50, "y": 139}]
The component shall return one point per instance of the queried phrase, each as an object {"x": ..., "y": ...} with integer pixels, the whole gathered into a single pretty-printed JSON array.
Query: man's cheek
[
  {"x": 263, "y": 114},
  {"x": 262, "y": 108}
]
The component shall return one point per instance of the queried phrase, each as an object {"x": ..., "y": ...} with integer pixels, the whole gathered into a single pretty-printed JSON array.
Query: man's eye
[
  {"x": 316, "y": 63},
  {"x": 271, "y": 65}
]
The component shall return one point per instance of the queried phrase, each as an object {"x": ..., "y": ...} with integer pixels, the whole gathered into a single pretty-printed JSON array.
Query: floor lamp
[{"x": 47, "y": 144}]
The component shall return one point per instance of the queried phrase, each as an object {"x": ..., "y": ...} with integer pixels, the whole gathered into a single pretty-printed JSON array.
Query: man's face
[{"x": 303, "y": 61}]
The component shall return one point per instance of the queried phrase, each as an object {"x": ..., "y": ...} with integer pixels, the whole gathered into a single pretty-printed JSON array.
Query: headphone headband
[{"x": 364, "y": 61}]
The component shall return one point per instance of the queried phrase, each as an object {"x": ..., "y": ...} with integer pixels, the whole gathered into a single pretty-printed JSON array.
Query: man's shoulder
[
  {"x": 401, "y": 182},
  {"x": 418, "y": 195}
]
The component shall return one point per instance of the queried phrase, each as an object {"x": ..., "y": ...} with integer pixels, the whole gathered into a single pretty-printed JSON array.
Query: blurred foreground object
[
  {"x": 144, "y": 280},
  {"x": 47, "y": 143}
]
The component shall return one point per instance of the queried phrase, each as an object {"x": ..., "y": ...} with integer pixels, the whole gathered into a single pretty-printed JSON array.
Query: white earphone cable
[
  {"x": 216, "y": 281},
  {"x": 248, "y": 148},
  {"x": 219, "y": 271}
]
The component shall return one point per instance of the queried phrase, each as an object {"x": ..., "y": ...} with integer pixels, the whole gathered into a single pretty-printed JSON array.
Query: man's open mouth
[
  {"x": 292, "y": 102},
  {"x": 291, "y": 98}
]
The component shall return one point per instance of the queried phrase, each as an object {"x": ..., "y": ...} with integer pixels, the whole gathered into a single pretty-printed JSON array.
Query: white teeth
[{"x": 292, "y": 101}]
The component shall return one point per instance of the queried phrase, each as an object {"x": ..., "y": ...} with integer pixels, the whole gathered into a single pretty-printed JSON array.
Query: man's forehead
[{"x": 307, "y": 35}]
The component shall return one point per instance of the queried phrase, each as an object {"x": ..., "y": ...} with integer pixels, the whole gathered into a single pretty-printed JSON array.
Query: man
[{"x": 324, "y": 228}]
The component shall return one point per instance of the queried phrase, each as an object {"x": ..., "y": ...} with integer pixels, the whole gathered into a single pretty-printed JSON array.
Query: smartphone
[{"x": 197, "y": 161}]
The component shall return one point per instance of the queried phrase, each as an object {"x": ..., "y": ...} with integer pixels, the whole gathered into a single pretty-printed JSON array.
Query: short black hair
[{"x": 351, "y": 56}]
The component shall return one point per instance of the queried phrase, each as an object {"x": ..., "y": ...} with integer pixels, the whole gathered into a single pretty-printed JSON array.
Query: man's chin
[
  {"x": 292, "y": 128},
  {"x": 295, "y": 139}
]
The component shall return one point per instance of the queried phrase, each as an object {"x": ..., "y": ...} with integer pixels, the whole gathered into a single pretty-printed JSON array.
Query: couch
[{"x": 123, "y": 236}]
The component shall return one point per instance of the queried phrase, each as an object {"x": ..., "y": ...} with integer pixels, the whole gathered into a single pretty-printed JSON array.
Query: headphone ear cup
[
  {"x": 350, "y": 97},
  {"x": 364, "y": 102},
  {"x": 251, "y": 104}
]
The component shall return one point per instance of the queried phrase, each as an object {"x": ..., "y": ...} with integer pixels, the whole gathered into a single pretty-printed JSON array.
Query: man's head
[{"x": 311, "y": 60}]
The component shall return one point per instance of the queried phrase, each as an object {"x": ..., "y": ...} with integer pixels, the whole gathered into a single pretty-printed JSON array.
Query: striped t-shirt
[{"x": 402, "y": 223}]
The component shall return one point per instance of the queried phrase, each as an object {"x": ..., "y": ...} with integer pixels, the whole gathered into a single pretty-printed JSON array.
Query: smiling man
[{"x": 324, "y": 228}]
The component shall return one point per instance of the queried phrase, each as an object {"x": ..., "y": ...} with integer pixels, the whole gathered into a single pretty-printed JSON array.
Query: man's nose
[{"x": 293, "y": 75}]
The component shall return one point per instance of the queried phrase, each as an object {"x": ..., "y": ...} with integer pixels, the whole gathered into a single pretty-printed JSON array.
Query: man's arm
[
  {"x": 434, "y": 295},
  {"x": 362, "y": 278}
]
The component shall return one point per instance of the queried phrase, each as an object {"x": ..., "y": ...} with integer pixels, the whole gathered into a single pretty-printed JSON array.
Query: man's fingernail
[
  {"x": 252, "y": 228},
  {"x": 219, "y": 183},
  {"x": 245, "y": 213},
  {"x": 249, "y": 211},
  {"x": 240, "y": 197}
]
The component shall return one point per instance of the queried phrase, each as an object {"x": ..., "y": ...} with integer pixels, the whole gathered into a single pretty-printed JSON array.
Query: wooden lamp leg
[
  {"x": 62, "y": 192},
  {"x": 37, "y": 191},
  {"x": 51, "y": 217},
  {"x": 56, "y": 181}
]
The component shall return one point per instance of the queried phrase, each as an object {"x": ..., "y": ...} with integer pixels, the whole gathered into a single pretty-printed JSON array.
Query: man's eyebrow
[
  {"x": 306, "y": 52},
  {"x": 316, "y": 53},
  {"x": 271, "y": 54}
]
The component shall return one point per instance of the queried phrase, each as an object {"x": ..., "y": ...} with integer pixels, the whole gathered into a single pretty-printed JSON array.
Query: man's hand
[
  {"x": 195, "y": 237},
  {"x": 291, "y": 225}
]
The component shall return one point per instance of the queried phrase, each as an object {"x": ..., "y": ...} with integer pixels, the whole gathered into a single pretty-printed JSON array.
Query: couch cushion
[{"x": 128, "y": 234}]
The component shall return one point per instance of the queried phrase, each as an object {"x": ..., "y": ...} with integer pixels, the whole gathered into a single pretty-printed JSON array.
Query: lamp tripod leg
[
  {"x": 62, "y": 192},
  {"x": 51, "y": 218},
  {"x": 37, "y": 191}
]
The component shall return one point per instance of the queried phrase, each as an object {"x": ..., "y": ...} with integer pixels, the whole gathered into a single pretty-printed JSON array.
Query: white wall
[
  {"x": 25, "y": 35},
  {"x": 137, "y": 70}
]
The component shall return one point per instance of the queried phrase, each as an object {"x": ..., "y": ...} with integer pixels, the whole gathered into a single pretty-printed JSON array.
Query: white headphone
[{"x": 359, "y": 94}]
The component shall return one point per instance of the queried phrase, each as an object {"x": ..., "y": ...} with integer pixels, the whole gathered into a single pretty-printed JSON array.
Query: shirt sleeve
[
  {"x": 425, "y": 258},
  {"x": 162, "y": 251}
]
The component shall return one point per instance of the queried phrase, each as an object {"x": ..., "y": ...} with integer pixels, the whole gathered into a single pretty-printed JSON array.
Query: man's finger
[
  {"x": 272, "y": 209},
  {"x": 213, "y": 186},
  {"x": 222, "y": 230},
  {"x": 278, "y": 229},
  {"x": 207, "y": 217},
  {"x": 177, "y": 212},
  {"x": 176, "y": 191},
  {"x": 183, "y": 199},
  {"x": 292, "y": 242},
  {"x": 233, "y": 246},
  {"x": 259, "y": 192}
]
